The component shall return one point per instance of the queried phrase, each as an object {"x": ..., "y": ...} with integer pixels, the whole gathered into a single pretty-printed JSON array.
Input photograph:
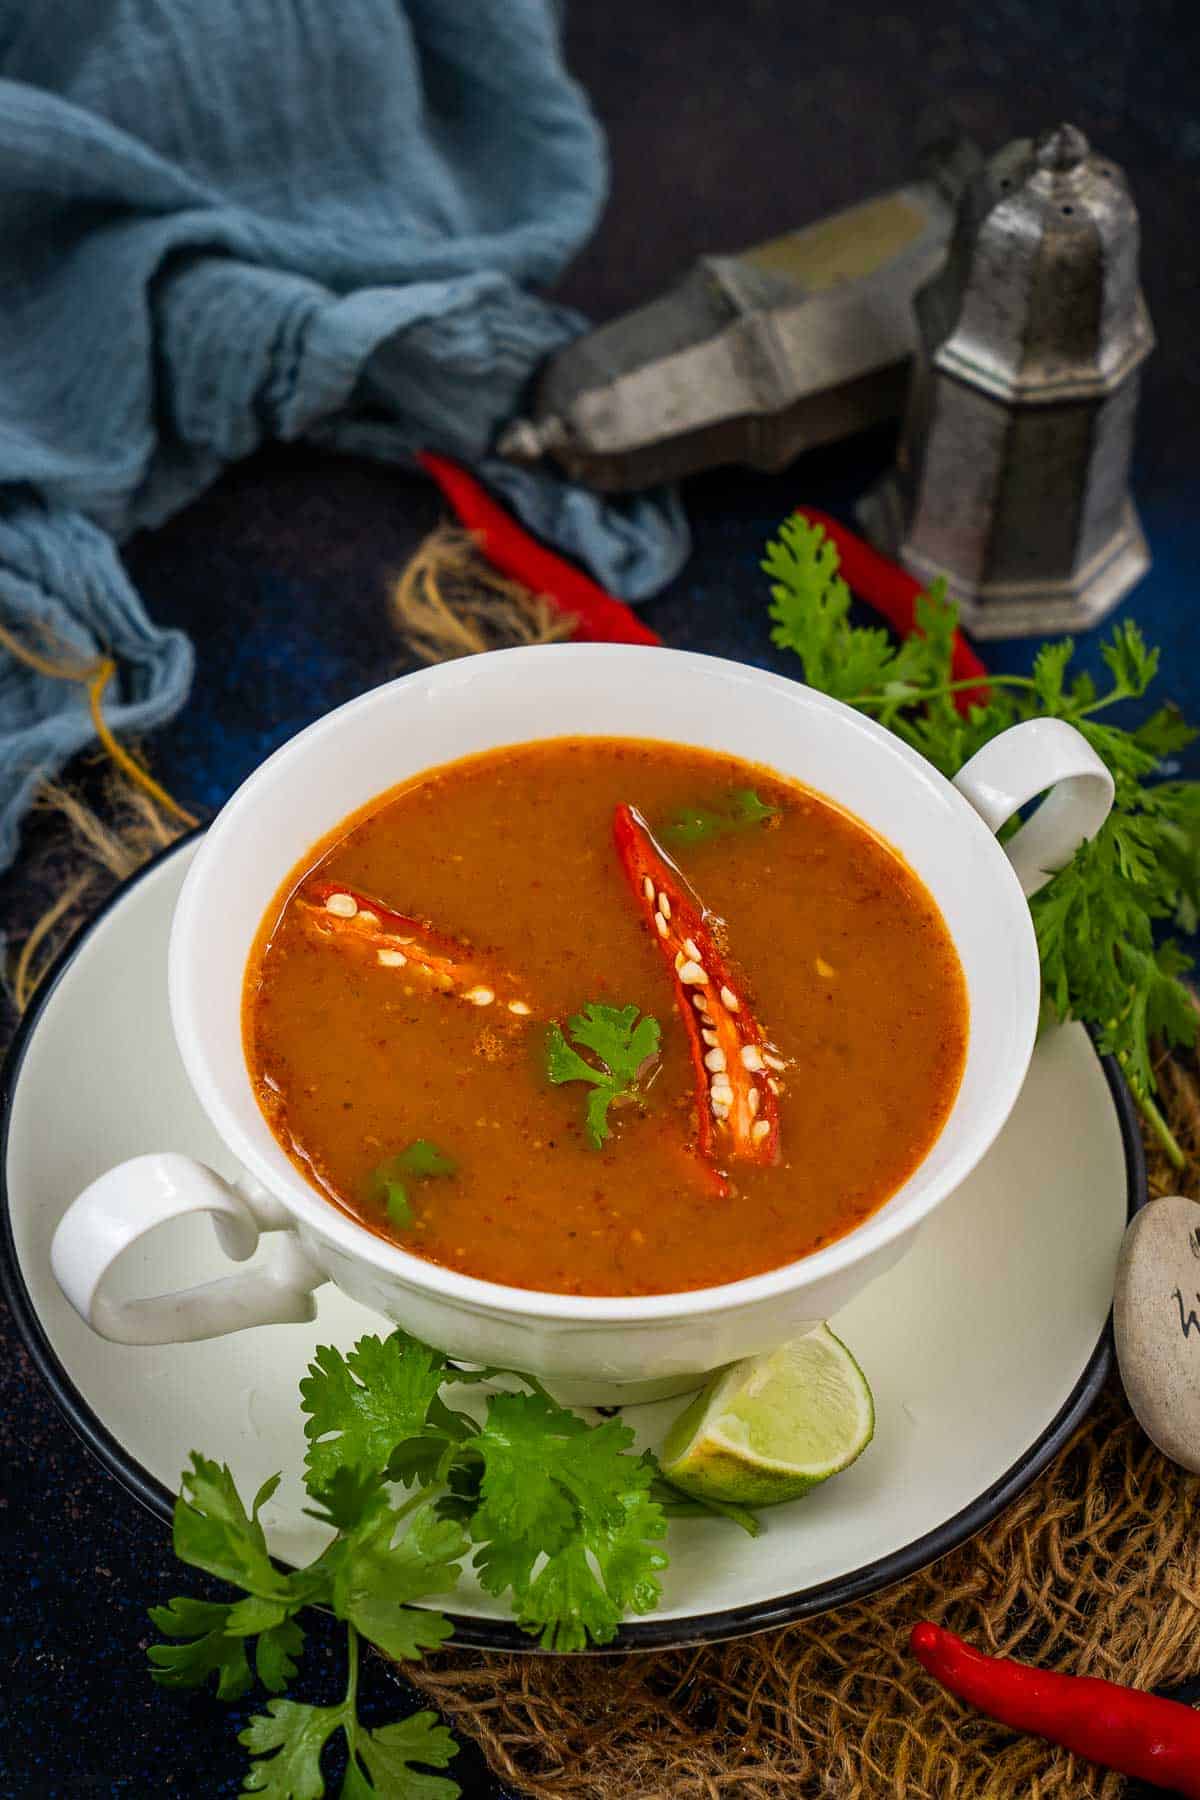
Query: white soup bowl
[{"x": 586, "y": 1348}]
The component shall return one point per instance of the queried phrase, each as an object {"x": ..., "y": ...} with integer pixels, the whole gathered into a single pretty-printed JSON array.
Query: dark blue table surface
[{"x": 727, "y": 124}]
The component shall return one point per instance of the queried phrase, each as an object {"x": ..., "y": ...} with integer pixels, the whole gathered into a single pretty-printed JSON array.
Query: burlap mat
[{"x": 1095, "y": 1570}]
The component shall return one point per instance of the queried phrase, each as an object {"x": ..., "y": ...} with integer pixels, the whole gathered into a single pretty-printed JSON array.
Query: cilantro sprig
[
  {"x": 365, "y": 1577},
  {"x": 1099, "y": 920},
  {"x": 692, "y": 825},
  {"x": 563, "y": 1517},
  {"x": 624, "y": 1043}
]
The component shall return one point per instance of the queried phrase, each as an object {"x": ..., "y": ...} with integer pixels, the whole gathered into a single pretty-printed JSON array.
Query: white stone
[{"x": 1156, "y": 1320}]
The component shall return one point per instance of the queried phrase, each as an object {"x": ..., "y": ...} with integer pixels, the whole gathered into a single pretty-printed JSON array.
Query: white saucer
[{"x": 984, "y": 1347}]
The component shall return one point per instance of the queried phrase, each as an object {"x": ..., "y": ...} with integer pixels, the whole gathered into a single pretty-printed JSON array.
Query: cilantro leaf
[
  {"x": 275, "y": 1655},
  {"x": 424, "y": 1158},
  {"x": 810, "y": 607},
  {"x": 624, "y": 1044},
  {"x": 390, "y": 1752},
  {"x": 361, "y": 1405},
  {"x": 1132, "y": 666},
  {"x": 1164, "y": 732},
  {"x": 355, "y": 1785},
  {"x": 254, "y": 1614},
  {"x": 420, "y": 1461},
  {"x": 297, "y": 1734},
  {"x": 565, "y": 1520},
  {"x": 1049, "y": 668},
  {"x": 396, "y": 1204},
  {"x": 620, "y": 1042},
  {"x": 213, "y": 1531},
  {"x": 698, "y": 824},
  {"x": 352, "y": 1492},
  {"x": 376, "y": 1578},
  {"x": 212, "y": 1649},
  {"x": 386, "y": 1185}
]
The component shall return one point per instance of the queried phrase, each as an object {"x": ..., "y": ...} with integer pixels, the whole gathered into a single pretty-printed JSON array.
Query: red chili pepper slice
[
  {"x": 737, "y": 1085},
  {"x": 1117, "y": 1727},
  {"x": 402, "y": 942}
]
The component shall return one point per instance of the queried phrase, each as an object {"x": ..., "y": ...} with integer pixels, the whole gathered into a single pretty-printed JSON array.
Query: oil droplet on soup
[{"x": 406, "y": 979}]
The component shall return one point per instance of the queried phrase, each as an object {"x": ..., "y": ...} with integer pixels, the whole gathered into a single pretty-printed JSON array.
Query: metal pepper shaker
[
  {"x": 755, "y": 356},
  {"x": 1012, "y": 475}
]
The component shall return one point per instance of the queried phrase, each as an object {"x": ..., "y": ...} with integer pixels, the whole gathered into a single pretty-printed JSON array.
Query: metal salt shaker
[
  {"x": 1011, "y": 479},
  {"x": 756, "y": 356}
]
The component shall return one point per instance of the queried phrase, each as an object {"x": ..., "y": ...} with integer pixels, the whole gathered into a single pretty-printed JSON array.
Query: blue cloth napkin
[{"x": 224, "y": 221}]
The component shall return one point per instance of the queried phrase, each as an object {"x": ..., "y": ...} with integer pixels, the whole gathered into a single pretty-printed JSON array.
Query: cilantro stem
[
  {"x": 975, "y": 681},
  {"x": 350, "y": 1721},
  {"x": 936, "y": 693},
  {"x": 535, "y": 1386},
  {"x": 1156, "y": 1122},
  {"x": 1095, "y": 706},
  {"x": 409, "y": 1505}
]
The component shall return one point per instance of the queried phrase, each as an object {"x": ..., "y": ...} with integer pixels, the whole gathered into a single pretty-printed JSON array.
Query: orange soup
[{"x": 605, "y": 1016}]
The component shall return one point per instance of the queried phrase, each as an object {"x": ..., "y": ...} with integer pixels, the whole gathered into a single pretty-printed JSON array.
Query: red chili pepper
[
  {"x": 402, "y": 942},
  {"x": 1119, "y": 1728},
  {"x": 736, "y": 1085},
  {"x": 599, "y": 618},
  {"x": 892, "y": 592}
]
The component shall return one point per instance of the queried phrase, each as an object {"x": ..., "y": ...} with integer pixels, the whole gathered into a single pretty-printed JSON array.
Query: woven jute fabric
[{"x": 1095, "y": 1570}]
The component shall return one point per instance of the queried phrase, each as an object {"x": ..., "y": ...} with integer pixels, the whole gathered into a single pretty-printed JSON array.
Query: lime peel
[{"x": 773, "y": 1427}]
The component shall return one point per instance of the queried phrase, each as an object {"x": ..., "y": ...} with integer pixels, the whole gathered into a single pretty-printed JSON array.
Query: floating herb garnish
[
  {"x": 624, "y": 1043},
  {"x": 698, "y": 824},
  {"x": 388, "y": 1184}
]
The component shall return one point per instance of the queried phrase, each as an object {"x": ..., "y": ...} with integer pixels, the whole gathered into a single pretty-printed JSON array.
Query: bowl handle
[
  {"x": 1019, "y": 765},
  {"x": 118, "y": 1209}
]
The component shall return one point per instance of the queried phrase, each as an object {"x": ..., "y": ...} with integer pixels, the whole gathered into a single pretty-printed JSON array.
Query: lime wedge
[{"x": 773, "y": 1427}]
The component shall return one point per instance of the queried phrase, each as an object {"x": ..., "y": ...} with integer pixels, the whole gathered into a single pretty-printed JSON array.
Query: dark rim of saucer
[{"x": 490, "y": 1634}]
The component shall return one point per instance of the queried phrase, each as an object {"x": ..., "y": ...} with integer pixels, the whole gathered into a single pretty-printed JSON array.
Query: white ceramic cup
[{"x": 587, "y": 1348}]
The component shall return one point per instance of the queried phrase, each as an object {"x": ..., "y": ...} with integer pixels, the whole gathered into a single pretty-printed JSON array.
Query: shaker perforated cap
[{"x": 1040, "y": 298}]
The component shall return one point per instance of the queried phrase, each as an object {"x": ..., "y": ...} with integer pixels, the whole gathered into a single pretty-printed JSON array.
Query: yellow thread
[
  {"x": 43, "y": 665},
  {"x": 24, "y": 983},
  {"x": 97, "y": 675},
  {"x": 124, "y": 761}
]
